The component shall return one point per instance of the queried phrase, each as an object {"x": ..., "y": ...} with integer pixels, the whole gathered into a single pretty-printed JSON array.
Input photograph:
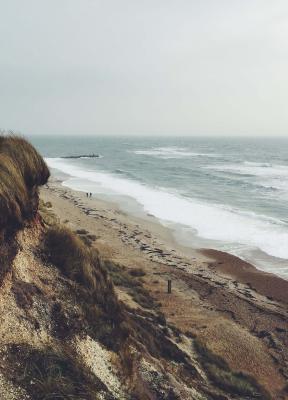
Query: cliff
[{"x": 64, "y": 332}]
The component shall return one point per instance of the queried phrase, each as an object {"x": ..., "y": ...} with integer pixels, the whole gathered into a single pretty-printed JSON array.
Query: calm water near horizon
[{"x": 229, "y": 194}]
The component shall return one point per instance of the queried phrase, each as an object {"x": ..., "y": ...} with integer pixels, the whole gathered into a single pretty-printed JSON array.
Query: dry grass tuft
[
  {"x": 22, "y": 170},
  {"x": 79, "y": 263},
  {"x": 26, "y": 159},
  {"x": 127, "y": 279},
  {"x": 47, "y": 215},
  {"x": 47, "y": 375},
  {"x": 236, "y": 383},
  {"x": 105, "y": 318},
  {"x": 95, "y": 291}
]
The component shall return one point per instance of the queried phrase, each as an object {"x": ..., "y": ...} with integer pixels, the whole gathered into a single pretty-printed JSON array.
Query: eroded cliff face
[
  {"x": 64, "y": 334},
  {"x": 51, "y": 348}
]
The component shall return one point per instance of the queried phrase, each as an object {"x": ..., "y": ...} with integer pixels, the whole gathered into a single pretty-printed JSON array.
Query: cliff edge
[{"x": 64, "y": 333}]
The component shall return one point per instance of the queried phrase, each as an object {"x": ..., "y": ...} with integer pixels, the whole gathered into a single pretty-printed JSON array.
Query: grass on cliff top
[
  {"x": 26, "y": 159},
  {"x": 22, "y": 170},
  {"x": 219, "y": 372}
]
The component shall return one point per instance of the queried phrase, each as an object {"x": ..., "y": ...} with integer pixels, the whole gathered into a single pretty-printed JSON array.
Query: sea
[{"x": 228, "y": 194}]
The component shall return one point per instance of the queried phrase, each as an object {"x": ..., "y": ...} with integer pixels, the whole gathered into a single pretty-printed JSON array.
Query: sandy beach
[{"x": 239, "y": 311}]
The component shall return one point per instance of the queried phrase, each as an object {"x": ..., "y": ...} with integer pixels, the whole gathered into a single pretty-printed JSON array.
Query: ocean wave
[
  {"x": 172, "y": 152},
  {"x": 124, "y": 174},
  {"x": 271, "y": 177},
  {"x": 275, "y": 185},
  {"x": 258, "y": 164},
  {"x": 257, "y": 169},
  {"x": 211, "y": 221}
]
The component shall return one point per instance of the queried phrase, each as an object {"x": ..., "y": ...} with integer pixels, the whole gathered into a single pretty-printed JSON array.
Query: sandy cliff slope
[
  {"x": 48, "y": 349},
  {"x": 84, "y": 312}
]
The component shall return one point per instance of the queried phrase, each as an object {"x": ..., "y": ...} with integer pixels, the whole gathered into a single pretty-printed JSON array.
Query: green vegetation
[{"x": 220, "y": 374}]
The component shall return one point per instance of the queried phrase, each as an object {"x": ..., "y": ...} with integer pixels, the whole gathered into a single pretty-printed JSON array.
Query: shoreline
[
  {"x": 234, "y": 265},
  {"x": 225, "y": 302},
  {"x": 159, "y": 242},
  {"x": 266, "y": 283},
  {"x": 194, "y": 223}
]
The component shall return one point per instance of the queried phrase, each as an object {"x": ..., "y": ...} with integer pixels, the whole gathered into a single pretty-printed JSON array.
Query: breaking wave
[{"x": 211, "y": 221}]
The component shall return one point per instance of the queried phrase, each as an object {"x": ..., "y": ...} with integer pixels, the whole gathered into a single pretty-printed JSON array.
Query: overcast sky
[{"x": 183, "y": 67}]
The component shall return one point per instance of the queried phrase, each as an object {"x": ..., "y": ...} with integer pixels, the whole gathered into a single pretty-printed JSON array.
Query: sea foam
[
  {"x": 211, "y": 221},
  {"x": 254, "y": 169},
  {"x": 265, "y": 174},
  {"x": 172, "y": 152}
]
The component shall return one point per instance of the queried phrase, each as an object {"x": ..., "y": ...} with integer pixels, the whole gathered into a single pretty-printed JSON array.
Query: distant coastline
[{"x": 82, "y": 156}]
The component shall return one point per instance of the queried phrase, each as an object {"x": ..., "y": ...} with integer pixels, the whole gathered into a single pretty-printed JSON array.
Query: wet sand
[{"x": 270, "y": 285}]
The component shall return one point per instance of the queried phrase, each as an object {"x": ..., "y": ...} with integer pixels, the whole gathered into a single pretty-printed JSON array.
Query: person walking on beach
[{"x": 86, "y": 194}]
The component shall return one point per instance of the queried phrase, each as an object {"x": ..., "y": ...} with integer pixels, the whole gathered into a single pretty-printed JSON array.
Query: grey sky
[{"x": 150, "y": 66}]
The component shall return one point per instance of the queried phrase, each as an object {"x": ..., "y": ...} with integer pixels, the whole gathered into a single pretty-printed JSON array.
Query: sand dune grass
[
  {"x": 26, "y": 159},
  {"x": 108, "y": 320},
  {"x": 95, "y": 292},
  {"x": 22, "y": 170}
]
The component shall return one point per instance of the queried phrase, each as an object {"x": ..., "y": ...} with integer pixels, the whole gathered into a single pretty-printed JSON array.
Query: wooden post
[{"x": 169, "y": 286}]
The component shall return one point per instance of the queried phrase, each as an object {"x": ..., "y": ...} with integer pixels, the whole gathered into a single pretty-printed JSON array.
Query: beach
[
  {"x": 239, "y": 310},
  {"x": 144, "y": 200}
]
